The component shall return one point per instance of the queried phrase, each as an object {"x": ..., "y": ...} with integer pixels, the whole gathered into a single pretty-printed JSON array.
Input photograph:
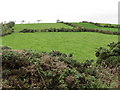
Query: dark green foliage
[
  {"x": 28, "y": 31},
  {"x": 10, "y": 24},
  {"x": 84, "y": 21},
  {"x": 54, "y": 70},
  {"x": 57, "y": 53},
  {"x": 77, "y": 29},
  {"x": 7, "y": 28},
  {"x": 12, "y": 60},
  {"x": 106, "y": 25},
  {"x": 109, "y": 57},
  {"x": 4, "y": 47}
]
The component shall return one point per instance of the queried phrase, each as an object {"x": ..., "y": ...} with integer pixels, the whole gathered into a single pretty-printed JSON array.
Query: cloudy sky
[{"x": 105, "y": 11}]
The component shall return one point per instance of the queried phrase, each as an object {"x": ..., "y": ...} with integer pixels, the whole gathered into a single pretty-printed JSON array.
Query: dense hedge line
[
  {"x": 74, "y": 29},
  {"x": 78, "y": 29},
  {"x": 94, "y": 30},
  {"x": 106, "y": 25},
  {"x": 6, "y": 28},
  {"x": 56, "y": 70}
]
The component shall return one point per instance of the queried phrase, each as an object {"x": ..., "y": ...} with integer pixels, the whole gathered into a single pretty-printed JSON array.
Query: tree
[
  {"x": 4, "y": 22},
  {"x": 22, "y": 21},
  {"x": 10, "y": 24},
  {"x": 39, "y": 21},
  {"x": 58, "y": 21}
]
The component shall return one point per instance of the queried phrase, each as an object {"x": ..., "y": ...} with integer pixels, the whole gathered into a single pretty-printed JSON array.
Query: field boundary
[{"x": 78, "y": 29}]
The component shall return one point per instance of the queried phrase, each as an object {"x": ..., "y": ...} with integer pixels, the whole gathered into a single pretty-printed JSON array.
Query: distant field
[
  {"x": 92, "y": 26},
  {"x": 102, "y": 24},
  {"x": 81, "y": 44},
  {"x": 19, "y": 27}
]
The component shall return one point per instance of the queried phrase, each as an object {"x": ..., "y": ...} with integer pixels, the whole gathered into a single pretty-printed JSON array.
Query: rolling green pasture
[
  {"x": 19, "y": 27},
  {"x": 92, "y": 26},
  {"x": 81, "y": 44}
]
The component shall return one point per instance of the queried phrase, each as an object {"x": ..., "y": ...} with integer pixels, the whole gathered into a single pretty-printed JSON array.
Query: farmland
[
  {"x": 103, "y": 24},
  {"x": 81, "y": 44},
  {"x": 58, "y": 56},
  {"x": 92, "y": 26},
  {"x": 19, "y": 27}
]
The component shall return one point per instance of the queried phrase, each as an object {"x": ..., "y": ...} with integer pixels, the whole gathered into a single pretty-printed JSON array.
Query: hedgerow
[
  {"x": 77, "y": 29},
  {"x": 105, "y": 25}
]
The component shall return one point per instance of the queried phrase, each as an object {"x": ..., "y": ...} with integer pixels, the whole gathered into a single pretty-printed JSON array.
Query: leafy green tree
[
  {"x": 39, "y": 21},
  {"x": 10, "y": 24}
]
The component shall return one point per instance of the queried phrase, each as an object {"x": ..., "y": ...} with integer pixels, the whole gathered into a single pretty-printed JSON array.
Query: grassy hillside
[
  {"x": 19, "y": 27},
  {"x": 92, "y": 26},
  {"x": 81, "y": 44}
]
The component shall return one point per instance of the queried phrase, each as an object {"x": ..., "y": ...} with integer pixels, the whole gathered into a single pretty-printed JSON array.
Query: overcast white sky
[{"x": 105, "y": 11}]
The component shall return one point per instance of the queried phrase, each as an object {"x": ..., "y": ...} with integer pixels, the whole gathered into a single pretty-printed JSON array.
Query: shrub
[
  {"x": 54, "y": 70},
  {"x": 6, "y": 29},
  {"x": 4, "y": 47},
  {"x": 28, "y": 30},
  {"x": 10, "y": 24},
  {"x": 109, "y": 57}
]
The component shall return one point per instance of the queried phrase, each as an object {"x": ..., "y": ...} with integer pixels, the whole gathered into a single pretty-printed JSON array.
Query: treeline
[
  {"x": 7, "y": 28},
  {"x": 56, "y": 70}
]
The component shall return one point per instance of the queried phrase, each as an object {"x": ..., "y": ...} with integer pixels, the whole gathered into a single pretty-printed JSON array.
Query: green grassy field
[
  {"x": 102, "y": 24},
  {"x": 19, "y": 27},
  {"x": 81, "y": 44},
  {"x": 92, "y": 26}
]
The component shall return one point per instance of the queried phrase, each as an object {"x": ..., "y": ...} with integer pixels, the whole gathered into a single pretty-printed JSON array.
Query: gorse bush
[
  {"x": 27, "y": 69},
  {"x": 109, "y": 57},
  {"x": 56, "y": 70}
]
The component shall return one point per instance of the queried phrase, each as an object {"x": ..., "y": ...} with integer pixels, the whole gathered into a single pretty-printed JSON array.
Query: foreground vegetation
[
  {"x": 56, "y": 70},
  {"x": 81, "y": 65},
  {"x": 81, "y": 44}
]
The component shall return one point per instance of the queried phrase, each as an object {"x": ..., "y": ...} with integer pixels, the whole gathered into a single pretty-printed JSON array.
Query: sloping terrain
[{"x": 92, "y": 26}]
